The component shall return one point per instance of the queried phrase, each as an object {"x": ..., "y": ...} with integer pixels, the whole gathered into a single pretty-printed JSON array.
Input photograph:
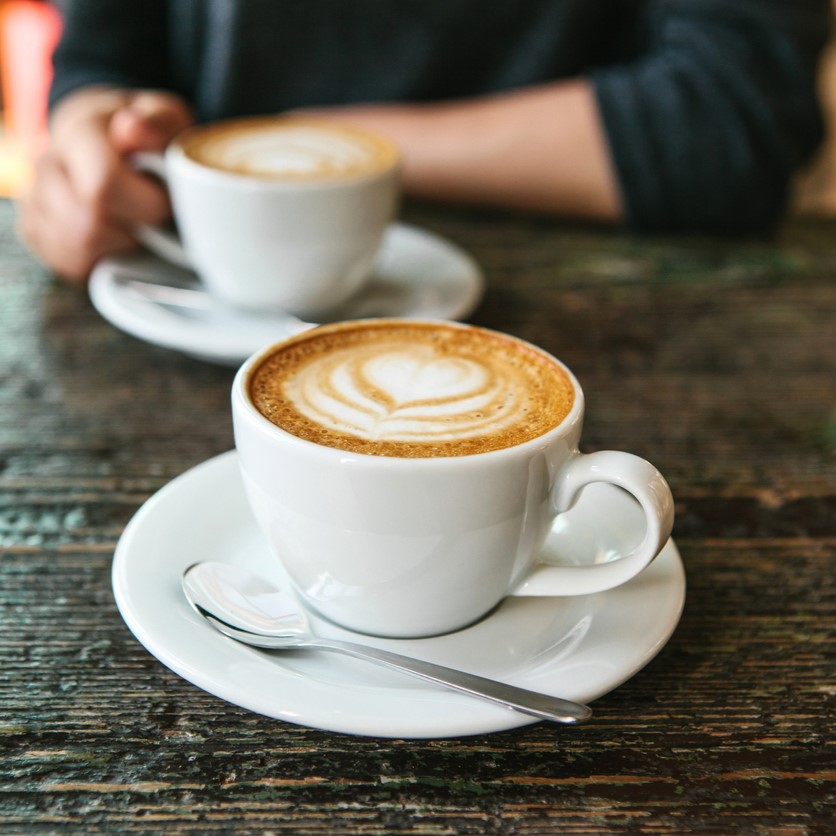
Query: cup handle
[
  {"x": 162, "y": 242},
  {"x": 639, "y": 478}
]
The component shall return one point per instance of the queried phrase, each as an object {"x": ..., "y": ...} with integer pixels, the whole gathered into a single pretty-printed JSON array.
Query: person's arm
[
  {"x": 710, "y": 123},
  {"x": 540, "y": 149},
  {"x": 701, "y": 128}
]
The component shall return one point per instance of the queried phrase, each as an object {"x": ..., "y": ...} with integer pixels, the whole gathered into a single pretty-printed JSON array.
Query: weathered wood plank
[{"x": 714, "y": 358}]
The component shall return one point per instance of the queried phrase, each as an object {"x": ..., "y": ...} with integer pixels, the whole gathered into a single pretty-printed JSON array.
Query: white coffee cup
[
  {"x": 408, "y": 546},
  {"x": 276, "y": 213}
]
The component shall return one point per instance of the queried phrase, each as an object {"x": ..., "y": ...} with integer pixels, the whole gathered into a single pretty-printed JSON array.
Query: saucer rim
[
  {"x": 468, "y": 718},
  {"x": 110, "y": 301}
]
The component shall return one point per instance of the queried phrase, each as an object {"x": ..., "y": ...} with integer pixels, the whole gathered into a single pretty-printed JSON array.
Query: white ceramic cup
[
  {"x": 410, "y": 547},
  {"x": 303, "y": 245}
]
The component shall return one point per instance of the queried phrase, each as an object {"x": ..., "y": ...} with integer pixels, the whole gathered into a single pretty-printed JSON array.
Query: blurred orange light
[{"x": 29, "y": 31}]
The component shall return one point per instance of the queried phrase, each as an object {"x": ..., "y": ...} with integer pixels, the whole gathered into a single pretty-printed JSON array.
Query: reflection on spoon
[{"x": 250, "y": 610}]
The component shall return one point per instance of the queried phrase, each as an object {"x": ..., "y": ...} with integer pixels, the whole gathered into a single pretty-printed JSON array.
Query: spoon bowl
[{"x": 250, "y": 610}]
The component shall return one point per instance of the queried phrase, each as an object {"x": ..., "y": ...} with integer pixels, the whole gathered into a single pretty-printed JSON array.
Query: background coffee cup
[
  {"x": 279, "y": 214},
  {"x": 406, "y": 546}
]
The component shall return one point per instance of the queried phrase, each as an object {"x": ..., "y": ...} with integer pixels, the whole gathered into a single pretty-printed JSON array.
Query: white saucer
[
  {"x": 417, "y": 275},
  {"x": 579, "y": 647}
]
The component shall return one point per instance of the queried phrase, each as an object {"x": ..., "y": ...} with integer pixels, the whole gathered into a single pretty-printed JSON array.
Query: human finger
[
  {"x": 66, "y": 233},
  {"x": 148, "y": 122},
  {"x": 104, "y": 180}
]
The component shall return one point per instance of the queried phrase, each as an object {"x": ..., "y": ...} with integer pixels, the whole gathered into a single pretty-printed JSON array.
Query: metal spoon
[
  {"x": 189, "y": 296},
  {"x": 250, "y": 610}
]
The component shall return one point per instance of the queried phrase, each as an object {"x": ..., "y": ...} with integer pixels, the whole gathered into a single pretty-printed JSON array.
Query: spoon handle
[{"x": 543, "y": 706}]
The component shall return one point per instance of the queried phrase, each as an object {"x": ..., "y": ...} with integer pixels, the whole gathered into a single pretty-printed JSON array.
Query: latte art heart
[
  {"x": 403, "y": 394},
  {"x": 411, "y": 389},
  {"x": 417, "y": 374}
]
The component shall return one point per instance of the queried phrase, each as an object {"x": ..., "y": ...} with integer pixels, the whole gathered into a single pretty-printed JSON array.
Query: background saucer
[
  {"x": 417, "y": 275},
  {"x": 579, "y": 647}
]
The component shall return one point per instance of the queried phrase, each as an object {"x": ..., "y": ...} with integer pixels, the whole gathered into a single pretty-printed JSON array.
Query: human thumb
[{"x": 148, "y": 121}]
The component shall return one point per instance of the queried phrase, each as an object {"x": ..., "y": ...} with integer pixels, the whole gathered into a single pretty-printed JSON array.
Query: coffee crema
[
  {"x": 287, "y": 148},
  {"x": 411, "y": 389}
]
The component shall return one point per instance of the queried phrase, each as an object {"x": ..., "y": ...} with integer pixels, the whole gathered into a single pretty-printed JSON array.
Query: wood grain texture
[{"x": 716, "y": 359}]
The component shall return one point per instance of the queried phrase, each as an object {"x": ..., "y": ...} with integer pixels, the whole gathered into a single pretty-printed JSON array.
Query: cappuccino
[
  {"x": 276, "y": 214},
  {"x": 411, "y": 389},
  {"x": 289, "y": 148}
]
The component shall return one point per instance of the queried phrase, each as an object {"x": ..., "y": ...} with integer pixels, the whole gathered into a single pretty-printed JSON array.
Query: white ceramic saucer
[
  {"x": 579, "y": 647},
  {"x": 418, "y": 275}
]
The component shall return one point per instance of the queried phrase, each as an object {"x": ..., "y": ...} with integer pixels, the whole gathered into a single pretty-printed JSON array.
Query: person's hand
[{"x": 85, "y": 198}]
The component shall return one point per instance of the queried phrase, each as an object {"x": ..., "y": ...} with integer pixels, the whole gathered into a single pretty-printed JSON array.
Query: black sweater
[{"x": 709, "y": 105}]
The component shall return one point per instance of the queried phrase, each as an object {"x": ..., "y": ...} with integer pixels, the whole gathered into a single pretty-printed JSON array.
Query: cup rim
[
  {"x": 240, "y": 397},
  {"x": 176, "y": 154}
]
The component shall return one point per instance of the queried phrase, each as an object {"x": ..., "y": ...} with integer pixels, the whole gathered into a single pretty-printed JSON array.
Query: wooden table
[{"x": 714, "y": 358}]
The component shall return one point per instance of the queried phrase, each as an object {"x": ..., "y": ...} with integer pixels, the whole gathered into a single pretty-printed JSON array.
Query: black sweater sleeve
[
  {"x": 708, "y": 124},
  {"x": 123, "y": 43},
  {"x": 709, "y": 105}
]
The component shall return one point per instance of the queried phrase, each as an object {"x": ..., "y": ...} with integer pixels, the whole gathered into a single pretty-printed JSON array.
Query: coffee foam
[
  {"x": 411, "y": 389},
  {"x": 286, "y": 148}
]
